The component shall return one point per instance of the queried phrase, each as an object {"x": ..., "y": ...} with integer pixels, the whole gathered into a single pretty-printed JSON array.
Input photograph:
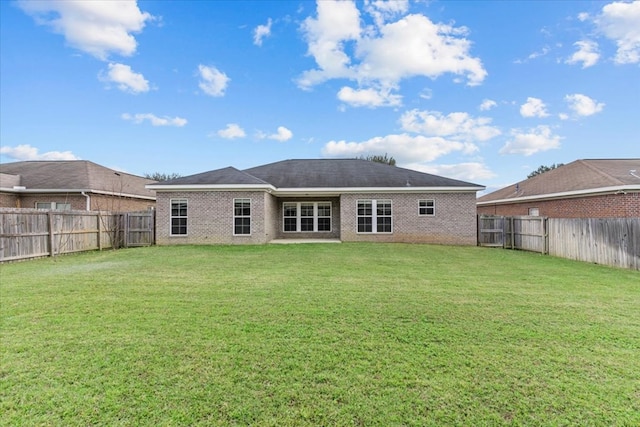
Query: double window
[
  {"x": 306, "y": 216},
  {"x": 427, "y": 207},
  {"x": 375, "y": 216},
  {"x": 241, "y": 217},
  {"x": 178, "y": 217}
]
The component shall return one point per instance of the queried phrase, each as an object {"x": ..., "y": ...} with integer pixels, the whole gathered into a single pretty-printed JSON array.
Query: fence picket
[
  {"x": 31, "y": 233},
  {"x": 608, "y": 241}
]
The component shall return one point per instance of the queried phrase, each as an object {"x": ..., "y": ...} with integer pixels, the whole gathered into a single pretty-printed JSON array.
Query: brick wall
[
  {"x": 78, "y": 202},
  {"x": 603, "y": 206},
  {"x": 8, "y": 200},
  {"x": 210, "y": 217},
  {"x": 454, "y": 221}
]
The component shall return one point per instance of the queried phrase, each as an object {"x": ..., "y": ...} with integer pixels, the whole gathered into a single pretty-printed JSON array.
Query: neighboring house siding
[
  {"x": 335, "y": 219},
  {"x": 210, "y": 217},
  {"x": 604, "y": 206},
  {"x": 454, "y": 221}
]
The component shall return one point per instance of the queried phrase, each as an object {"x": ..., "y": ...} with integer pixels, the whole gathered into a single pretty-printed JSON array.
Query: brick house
[
  {"x": 601, "y": 188},
  {"x": 340, "y": 199},
  {"x": 72, "y": 185}
]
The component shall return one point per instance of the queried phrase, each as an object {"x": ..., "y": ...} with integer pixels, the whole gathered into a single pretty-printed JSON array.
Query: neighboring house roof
[
  {"x": 72, "y": 176},
  {"x": 320, "y": 175},
  {"x": 578, "y": 178}
]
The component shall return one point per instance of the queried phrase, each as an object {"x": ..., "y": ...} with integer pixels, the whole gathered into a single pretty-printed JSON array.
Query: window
[
  {"x": 306, "y": 216},
  {"x": 241, "y": 217},
  {"x": 374, "y": 216},
  {"x": 54, "y": 205},
  {"x": 534, "y": 211},
  {"x": 178, "y": 217},
  {"x": 427, "y": 207}
]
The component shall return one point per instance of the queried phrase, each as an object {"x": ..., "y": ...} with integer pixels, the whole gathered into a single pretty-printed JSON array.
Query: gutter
[
  {"x": 88, "y": 207},
  {"x": 324, "y": 191},
  {"x": 565, "y": 195}
]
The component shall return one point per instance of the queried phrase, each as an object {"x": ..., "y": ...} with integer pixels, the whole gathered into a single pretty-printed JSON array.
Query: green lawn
[{"x": 340, "y": 334}]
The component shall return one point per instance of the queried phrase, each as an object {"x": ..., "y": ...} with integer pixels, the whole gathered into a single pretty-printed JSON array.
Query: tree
[
  {"x": 380, "y": 159},
  {"x": 160, "y": 176},
  {"x": 542, "y": 169}
]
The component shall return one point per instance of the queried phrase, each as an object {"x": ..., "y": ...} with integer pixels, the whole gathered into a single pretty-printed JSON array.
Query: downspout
[{"x": 88, "y": 200}]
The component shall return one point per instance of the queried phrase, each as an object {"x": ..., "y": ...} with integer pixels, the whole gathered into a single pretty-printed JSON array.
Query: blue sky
[{"x": 483, "y": 91}]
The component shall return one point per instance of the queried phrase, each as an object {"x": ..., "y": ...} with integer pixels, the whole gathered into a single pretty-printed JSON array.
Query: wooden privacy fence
[
  {"x": 608, "y": 241},
  {"x": 31, "y": 233}
]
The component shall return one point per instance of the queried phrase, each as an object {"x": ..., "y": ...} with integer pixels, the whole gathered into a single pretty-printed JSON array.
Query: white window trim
[
  {"x": 299, "y": 217},
  {"x": 171, "y": 217},
  {"x": 243, "y": 199},
  {"x": 427, "y": 207},
  {"x": 374, "y": 216}
]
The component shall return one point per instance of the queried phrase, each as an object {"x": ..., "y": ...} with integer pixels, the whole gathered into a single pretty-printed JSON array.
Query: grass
[{"x": 349, "y": 334}]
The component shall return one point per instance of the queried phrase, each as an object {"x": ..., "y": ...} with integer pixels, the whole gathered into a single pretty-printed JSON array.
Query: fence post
[
  {"x": 99, "y": 219},
  {"x": 513, "y": 232},
  {"x": 125, "y": 238},
  {"x": 51, "y": 233},
  {"x": 545, "y": 237}
]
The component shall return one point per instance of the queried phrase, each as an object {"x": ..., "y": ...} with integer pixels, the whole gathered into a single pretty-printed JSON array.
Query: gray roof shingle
[
  {"x": 580, "y": 175},
  {"x": 322, "y": 173},
  {"x": 76, "y": 175}
]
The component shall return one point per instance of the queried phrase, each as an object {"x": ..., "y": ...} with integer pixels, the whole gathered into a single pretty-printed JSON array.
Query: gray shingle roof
[
  {"x": 580, "y": 175},
  {"x": 76, "y": 175},
  {"x": 322, "y": 173},
  {"x": 226, "y": 176}
]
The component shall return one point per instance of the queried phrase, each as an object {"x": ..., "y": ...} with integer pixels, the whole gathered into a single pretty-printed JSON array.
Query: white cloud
[
  {"x": 212, "y": 81},
  {"x": 155, "y": 120},
  {"x": 370, "y": 55},
  {"x": 402, "y": 147},
  {"x": 382, "y": 11},
  {"x": 369, "y": 97},
  {"x": 428, "y": 50},
  {"x": 283, "y": 134},
  {"x": 620, "y": 22},
  {"x": 487, "y": 104},
  {"x": 587, "y": 54},
  {"x": 27, "y": 152},
  {"x": 582, "y": 105},
  {"x": 532, "y": 141},
  {"x": 95, "y": 27},
  {"x": 125, "y": 78},
  {"x": 583, "y": 16},
  {"x": 232, "y": 131},
  {"x": 456, "y": 126},
  {"x": 337, "y": 23},
  {"x": 470, "y": 171},
  {"x": 260, "y": 32},
  {"x": 534, "y": 107}
]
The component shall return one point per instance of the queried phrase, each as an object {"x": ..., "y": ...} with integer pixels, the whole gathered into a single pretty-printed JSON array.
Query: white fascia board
[
  {"x": 565, "y": 194},
  {"x": 361, "y": 190},
  {"x": 210, "y": 187}
]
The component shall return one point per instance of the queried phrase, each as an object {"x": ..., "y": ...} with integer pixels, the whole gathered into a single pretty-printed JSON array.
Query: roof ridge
[
  {"x": 248, "y": 174},
  {"x": 599, "y": 171}
]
